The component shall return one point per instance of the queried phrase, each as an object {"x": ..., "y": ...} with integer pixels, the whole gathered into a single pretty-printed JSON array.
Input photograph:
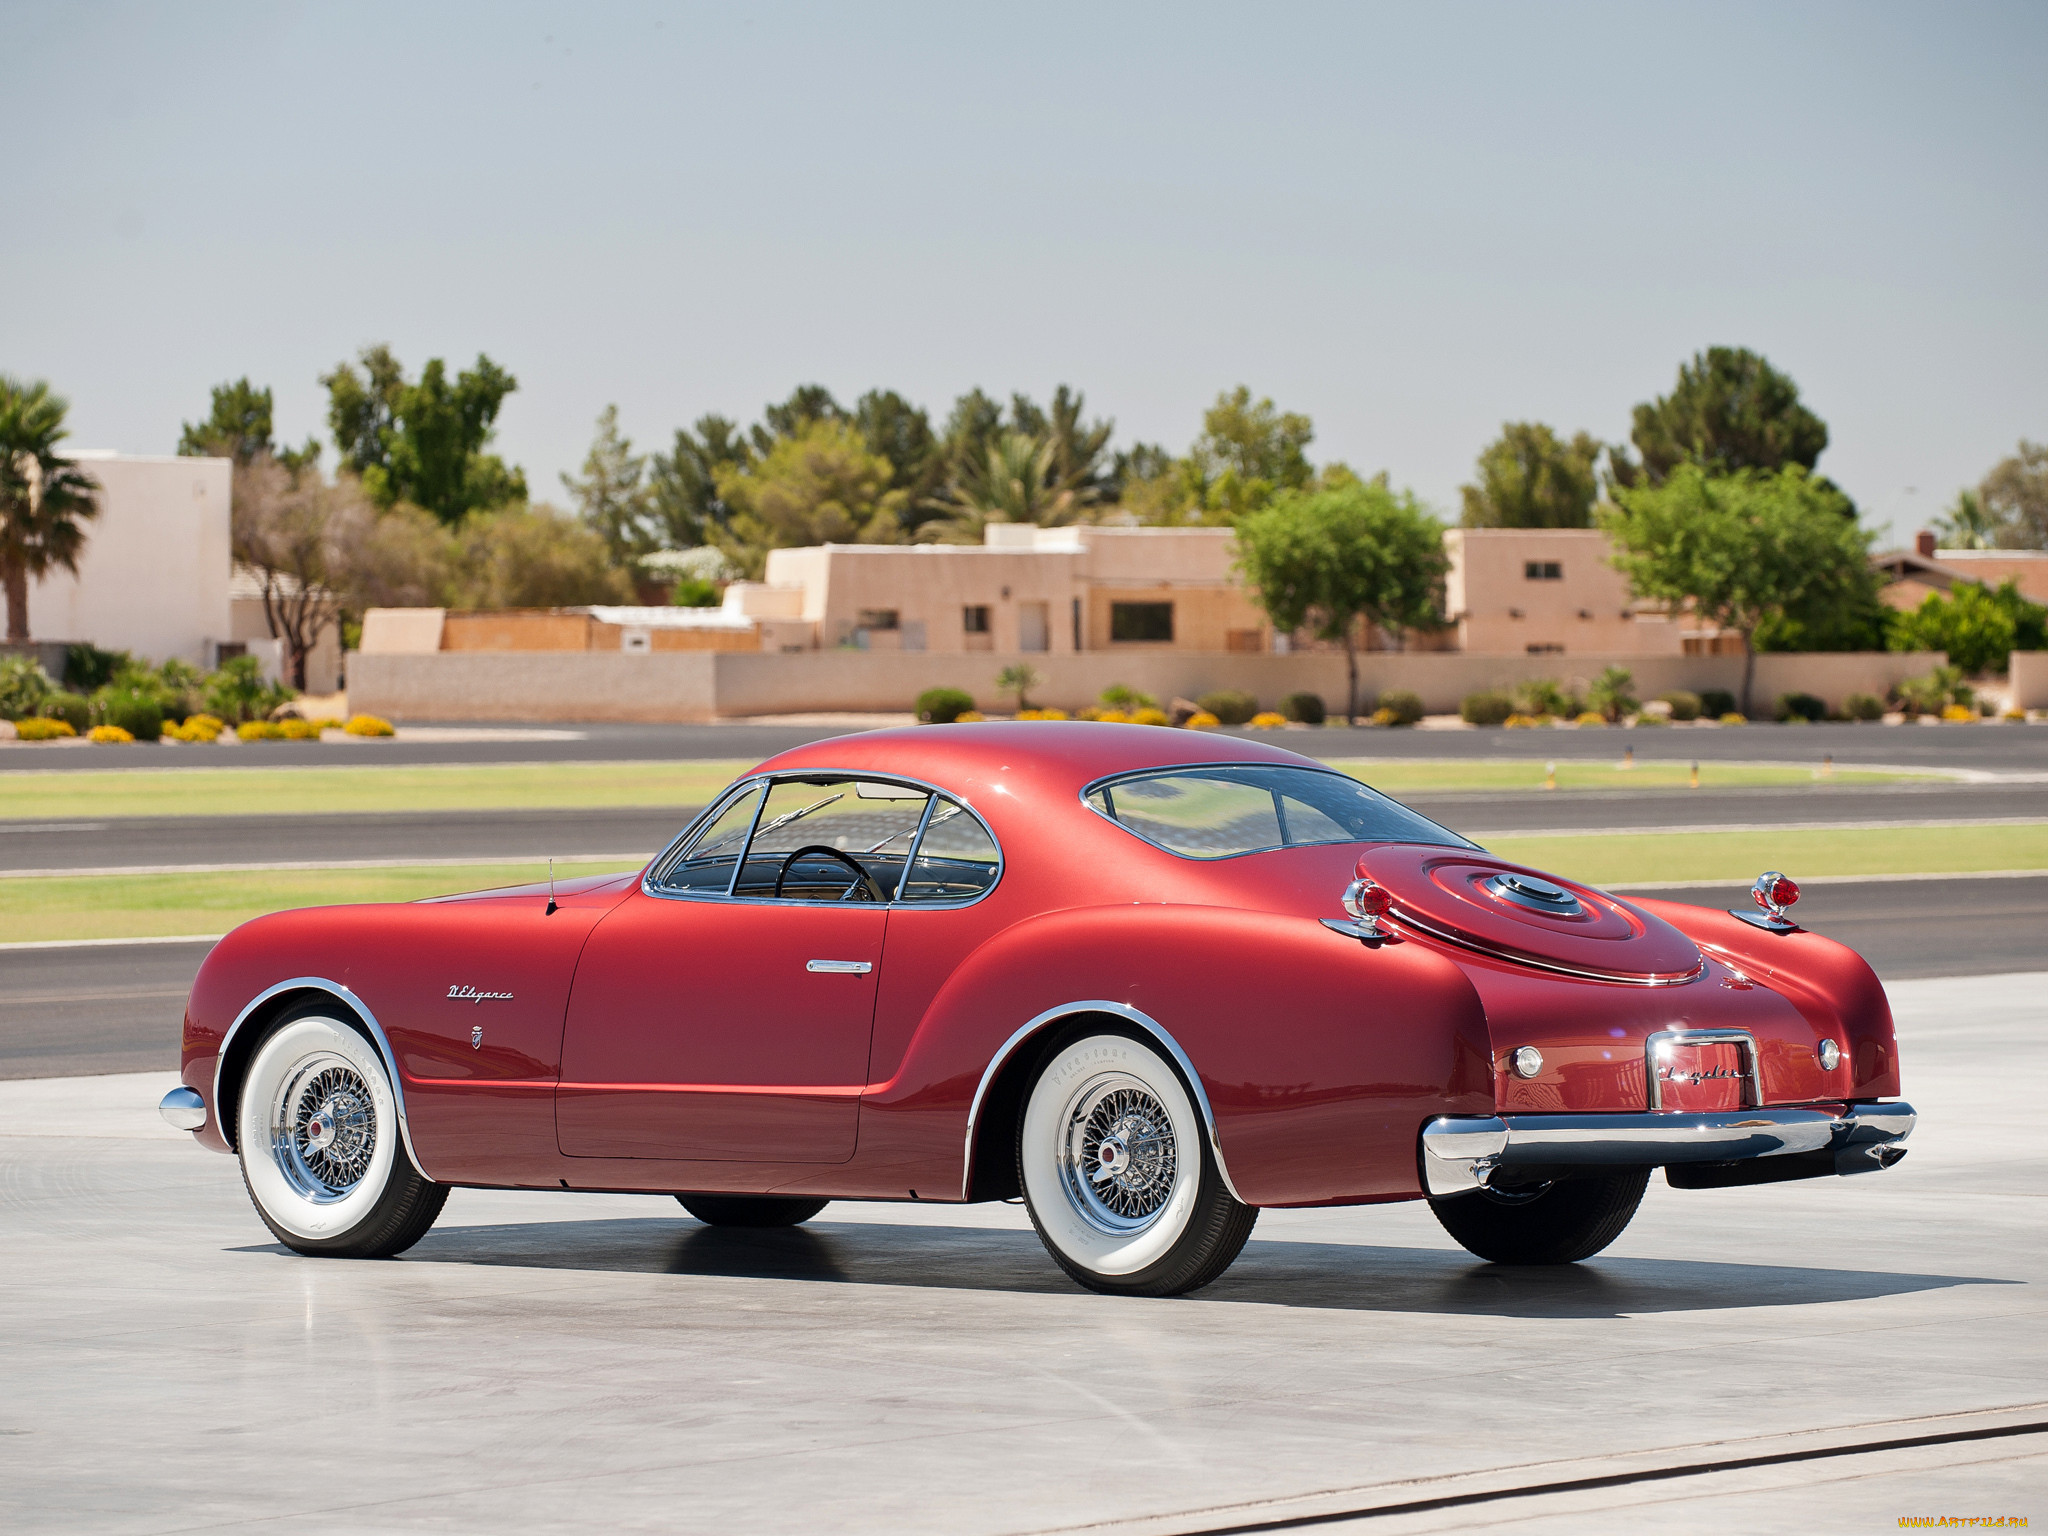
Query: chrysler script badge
[
  {"x": 1672, "y": 1075},
  {"x": 471, "y": 995}
]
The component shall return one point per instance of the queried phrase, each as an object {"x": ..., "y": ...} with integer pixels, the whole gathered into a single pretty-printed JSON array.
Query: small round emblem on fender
[
  {"x": 1526, "y": 1060},
  {"x": 1830, "y": 1055}
]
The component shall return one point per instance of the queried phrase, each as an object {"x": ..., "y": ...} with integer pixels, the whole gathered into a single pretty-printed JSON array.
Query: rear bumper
[{"x": 1461, "y": 1154}]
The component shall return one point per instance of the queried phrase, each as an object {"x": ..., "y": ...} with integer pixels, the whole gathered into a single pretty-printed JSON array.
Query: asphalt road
[
  {"x": 1997, "y": 748},
  {"x": 116, "y": 1008},
  {"x": 1828, "y": 1355},
  {"x": 151, "y": 842}
]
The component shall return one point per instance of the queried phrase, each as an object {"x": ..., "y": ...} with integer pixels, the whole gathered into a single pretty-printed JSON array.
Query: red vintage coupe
[{"x": 1148, "y": 979}]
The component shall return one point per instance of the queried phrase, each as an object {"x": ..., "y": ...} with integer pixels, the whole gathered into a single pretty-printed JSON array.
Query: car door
[{"x": 724, "y": 1011}]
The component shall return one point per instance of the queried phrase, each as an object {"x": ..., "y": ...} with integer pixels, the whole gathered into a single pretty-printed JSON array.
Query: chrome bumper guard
[
  {"x": 184, "y": 1109},
  {"x": 1461, "y": 1154}
]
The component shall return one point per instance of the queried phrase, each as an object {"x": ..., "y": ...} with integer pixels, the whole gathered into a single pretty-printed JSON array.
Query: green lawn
[
  {"x": 44, "y": 795},
  {"x": 124, "y": 906},
  {"x": 134, "y": 907},
  {"x": 1742, "y": 856},
  {"x": 279, "y": 791}
]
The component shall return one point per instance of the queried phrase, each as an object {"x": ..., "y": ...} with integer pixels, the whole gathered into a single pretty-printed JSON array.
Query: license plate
[{"x": 1701, "y": 1077}]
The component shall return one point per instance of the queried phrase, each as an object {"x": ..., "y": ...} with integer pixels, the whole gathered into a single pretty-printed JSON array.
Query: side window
[
  {"x": 867, "y": 825},
  {"x": 706, "y": 865},
  {"x": 957, "y": 859}
]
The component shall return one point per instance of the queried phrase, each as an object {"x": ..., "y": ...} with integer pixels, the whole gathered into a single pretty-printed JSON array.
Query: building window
[
  {"x": 1141, "y": 621},
  {"x": 1542, "y": 570},
  {"x": 974, "y": 618},
  {"x": 877, "y": 618}
]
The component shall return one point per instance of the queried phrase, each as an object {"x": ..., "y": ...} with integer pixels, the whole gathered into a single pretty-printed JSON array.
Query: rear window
[{"x": 1221, "y": 812}]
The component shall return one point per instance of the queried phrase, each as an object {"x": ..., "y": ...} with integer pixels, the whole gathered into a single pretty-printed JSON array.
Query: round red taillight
[
  {"x": 1366, "y": 900},
  {"x": 1784, "y": 892}
]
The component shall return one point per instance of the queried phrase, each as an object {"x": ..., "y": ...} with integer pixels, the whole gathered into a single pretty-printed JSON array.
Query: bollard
[
  {"x": 1827, "y": 765},
  {"x": 1628, "y": 758},
  {"x": 1550, "y": 775},
  {"x": 1695, "y": 776}
]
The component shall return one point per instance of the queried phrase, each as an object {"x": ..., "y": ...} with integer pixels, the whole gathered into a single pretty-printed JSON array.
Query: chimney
[{"x": 1923, "y": 544}]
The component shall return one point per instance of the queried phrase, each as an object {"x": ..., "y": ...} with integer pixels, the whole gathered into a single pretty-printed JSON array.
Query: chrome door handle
[{"x": 841, "y": 967}]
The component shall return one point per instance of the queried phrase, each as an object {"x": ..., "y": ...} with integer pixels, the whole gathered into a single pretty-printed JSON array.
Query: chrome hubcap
[
  {"x": 323, "y": 1128},
  {"x": 1118, "y": 1158}
]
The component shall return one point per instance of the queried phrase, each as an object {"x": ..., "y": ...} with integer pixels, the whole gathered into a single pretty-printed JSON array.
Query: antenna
[{"x": 551, "y": 890}]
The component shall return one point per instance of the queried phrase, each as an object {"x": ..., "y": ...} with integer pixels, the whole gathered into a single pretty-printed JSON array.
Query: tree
[
  {"x": 1729, "y": 411},
  {"x": 1015, "y": 483},
  {"x": 45, "y": 498},
  {"x": 1967, "y": 524},
  {"x": 534, "y": 557},
  {"x": 423, "y": 442},
  {"x": 1979, "y": 628},
  {"x": 239, "y": 427},
  {"x": 1529, "y": 477},
  {"x": 1019, "y": 679},
  {"x": 807, "y": 404},
  {"x": 1080, "y": 464},
  {"x": 901, "y": 433},
  {"x": 1740, "y": 548},
  {"x": 292, "y": 531},
  {"x": 2015, "y": 496},
  {"x": 1329, "y": 558},
  {"x": 1248, "y": 452},
  {"x": 821, "y": 485},
  {"x": 612, "y": 495},
  {"x": 682, "y": 485}
]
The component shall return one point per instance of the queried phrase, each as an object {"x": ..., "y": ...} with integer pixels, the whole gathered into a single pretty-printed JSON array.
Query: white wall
[{"x": 153, "y": 576}]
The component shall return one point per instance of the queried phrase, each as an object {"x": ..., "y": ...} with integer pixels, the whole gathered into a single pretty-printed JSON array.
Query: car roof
[{"x": 1030, "y": 757}]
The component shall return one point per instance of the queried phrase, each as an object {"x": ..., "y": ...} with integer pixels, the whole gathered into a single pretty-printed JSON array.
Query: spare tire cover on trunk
[{"x": 1525, "y": 915}]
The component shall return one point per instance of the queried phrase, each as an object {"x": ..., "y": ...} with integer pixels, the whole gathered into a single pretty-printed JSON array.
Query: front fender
[{"x": 1321, "y": 1057}]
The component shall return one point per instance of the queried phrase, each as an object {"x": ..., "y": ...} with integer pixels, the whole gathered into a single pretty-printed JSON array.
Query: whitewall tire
[
  {"x": 316, "y": 1128},
  {"x": 1116, "y": 1170}
]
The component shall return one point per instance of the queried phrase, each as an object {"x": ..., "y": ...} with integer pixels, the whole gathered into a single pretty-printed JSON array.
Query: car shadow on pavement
[{"x": 1342, "y": 1276}]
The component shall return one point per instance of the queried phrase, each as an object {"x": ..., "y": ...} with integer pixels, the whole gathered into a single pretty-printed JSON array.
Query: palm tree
[
  {"x": 45, "y": 498},
  {"x": 1968, "y": 523},
  {"x": 1013, "y": 482}
]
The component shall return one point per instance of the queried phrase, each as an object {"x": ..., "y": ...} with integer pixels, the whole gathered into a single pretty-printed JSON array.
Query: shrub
[
  {"x": 969, "y": 717},
  {"x": 73, "y": 709},
  {"x": 1267, "y": 720},
  {"x": 1020, "y": 680},
  {"x": 238, "y": 691},
  {"x": 1716, "y": 702},
  {"x": 260, "y": 730},
  {"x": 1730, "y": 717},
  {"x": 1232, "y": 706},
  {"x": 1541, "y": 696},
  {"x": 23, "y": 687},
  {"x": 1862, "y": 706},
  {"x": 1958, "y": 714},
  {"x": 1150, "y": 716},
  {"x": 369, "y": 725},
  {"x": 1202, "y": 720},
  {"x": 1612, "y": 693},
  {"x": 1929, "y": 695},
  {"x": 130, "y": 710},
  {"x": 942, "y": 706},
  {"x": 1592, "y": 717},
  {"x": 1307, "y": 708},
  {"x": 1521, "y": 722},
  {"x": 1041, "y": 714},
  {"x": 1684, "y": 705},
  {"x": 42, "y": 730},
  {"x": 87, "y": 667},
  {"x": 197, "y": 728},
  {"x": 299, "y": 730},
  {"x": 1489, "y": 708},
  {"x": 1119, "y": 697},
  {"x": 110, "y": 735},
  {"x": 1801, "y": 706},
  {"x": 1405, "y": 707}
]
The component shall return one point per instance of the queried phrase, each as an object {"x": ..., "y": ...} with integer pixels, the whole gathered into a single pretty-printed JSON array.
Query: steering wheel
[{"x": 873, "y": 886}]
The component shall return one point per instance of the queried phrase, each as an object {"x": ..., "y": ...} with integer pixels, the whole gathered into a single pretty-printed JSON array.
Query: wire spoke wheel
[
  {"x": 323, "y": 1128},
  {"x": 1119, "y": 1154}
]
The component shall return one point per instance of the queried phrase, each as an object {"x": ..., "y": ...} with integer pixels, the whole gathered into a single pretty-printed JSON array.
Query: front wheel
[
  {"x": 317, "y": 1134},
  {"x": 1118, "y": 1176},
  {"x": 751, "y": 1210},
  {"x": 1561, "y": 1223}
]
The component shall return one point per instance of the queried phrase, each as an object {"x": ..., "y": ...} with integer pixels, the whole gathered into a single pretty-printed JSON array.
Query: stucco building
[
  {"x": 1925, "y": 569},
  {"x": 1548, "y": 591}
]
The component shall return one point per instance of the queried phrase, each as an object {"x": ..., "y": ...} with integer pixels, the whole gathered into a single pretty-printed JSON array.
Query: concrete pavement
[{"x": 564, "y": 1362}]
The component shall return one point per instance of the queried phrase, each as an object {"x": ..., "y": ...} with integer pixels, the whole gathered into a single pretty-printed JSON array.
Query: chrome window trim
[
  {"x": 681, "y": 841},
  {"x": 377, "y": 1036},
  {"x": 1129, "y": 1014},
  {"x": 1109, "y": 781}
]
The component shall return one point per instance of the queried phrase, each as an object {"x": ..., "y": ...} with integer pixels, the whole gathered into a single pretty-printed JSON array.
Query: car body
[{"x": 1345, "y": 1005}]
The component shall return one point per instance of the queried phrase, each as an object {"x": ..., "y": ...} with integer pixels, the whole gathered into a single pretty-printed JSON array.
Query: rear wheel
[
  {"x": 317, "y": 1134},
  {"x": 1561, "y": 1223},
  {"x": 752, "y": 1210},
  {"x": 1118, "y": 1175}
]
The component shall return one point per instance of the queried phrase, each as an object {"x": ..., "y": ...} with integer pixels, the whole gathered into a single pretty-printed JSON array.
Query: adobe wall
[
  {"x": 685, "y": 686},
  {"x": 2030, "y": 679}
]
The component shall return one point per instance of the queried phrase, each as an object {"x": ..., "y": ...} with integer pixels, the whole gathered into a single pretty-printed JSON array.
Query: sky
[{"x": 1412, "y": 223}]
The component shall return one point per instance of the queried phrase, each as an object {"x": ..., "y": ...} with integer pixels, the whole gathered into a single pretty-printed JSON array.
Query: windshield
[{"x": 1221, "y": 812}]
